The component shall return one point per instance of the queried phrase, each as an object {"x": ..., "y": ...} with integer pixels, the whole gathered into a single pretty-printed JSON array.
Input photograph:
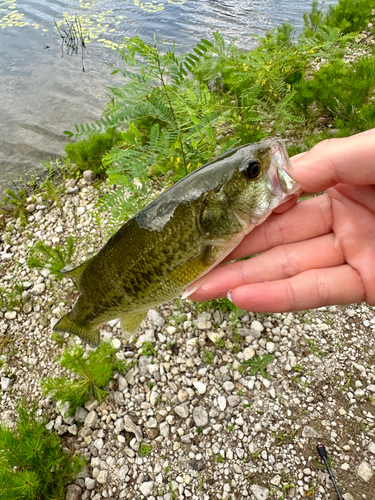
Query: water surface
[{"x": 44, "y": 92}]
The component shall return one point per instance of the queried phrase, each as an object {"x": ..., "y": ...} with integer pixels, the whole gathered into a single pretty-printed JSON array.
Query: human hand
[{"x": 319, "y": 252}]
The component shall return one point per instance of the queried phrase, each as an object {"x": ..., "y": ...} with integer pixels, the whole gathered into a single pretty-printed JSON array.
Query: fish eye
[{"x": 253, "y": 169}]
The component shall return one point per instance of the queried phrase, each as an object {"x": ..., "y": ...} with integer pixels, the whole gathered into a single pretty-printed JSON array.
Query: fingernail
[{"x": 229, "y": 295}]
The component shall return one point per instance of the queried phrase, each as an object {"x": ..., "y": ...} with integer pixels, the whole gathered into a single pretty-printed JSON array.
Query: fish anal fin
[
  {"x": 75, "y": 272},
  {"x": 131, "y": 321},
  {"x": 86, "y": 333}
]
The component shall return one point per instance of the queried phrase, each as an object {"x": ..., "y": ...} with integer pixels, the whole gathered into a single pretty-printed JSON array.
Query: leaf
[{"x": 68, "y": 133}]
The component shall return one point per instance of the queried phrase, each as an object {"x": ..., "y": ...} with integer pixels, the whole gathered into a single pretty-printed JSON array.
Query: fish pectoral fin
[
  {"x": 131, "y": 321},
  {"x": 86, "y": 333},
  {"x": 76, "y": 272}
]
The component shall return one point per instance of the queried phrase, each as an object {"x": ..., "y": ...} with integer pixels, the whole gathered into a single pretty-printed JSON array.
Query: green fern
[{"x": 93, "y": 373}]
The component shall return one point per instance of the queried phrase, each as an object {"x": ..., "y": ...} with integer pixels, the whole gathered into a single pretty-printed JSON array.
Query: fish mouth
[{"x": 281, "y": 182}]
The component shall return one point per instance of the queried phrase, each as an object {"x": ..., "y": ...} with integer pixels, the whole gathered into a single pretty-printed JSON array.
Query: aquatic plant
[{"x": 33, "y": 464}]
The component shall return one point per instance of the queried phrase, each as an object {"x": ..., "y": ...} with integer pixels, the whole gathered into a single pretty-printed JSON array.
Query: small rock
[
  {"x": 73, "y": 492},
  {"x": 200, "y": 416},
  {"x": 371, "y": 448},
  {"x": 310, "y": 432},
  {"x": 155, "y": 318},
  {"x": 31, "y": 208},
  {"x": 182, "y": 410},
  {"x": 10, "y": 315},
  {"x": 143, "y": 364},
  {"x": 234, "y": 400},
  {"x": 270, "y": 346},
  {"x": 38, "y": 289},
  {"x": 182, "y": 396},
  {"x": 102, "y": 477},
  {"x": 119, "y": 398},
  {"x": 91, "y": 419},
  {"x": 200, "y": 386},
  {"x": 228, "y": 386},
  {"x": 222, "y": 403},
  {"x": 365, "y": 471},
  {"x": 6, "y": 383},
  {"x": 259, "y": 492},
  {"x": 92, "y": 404},
  {"x": 89, "y": 176},
  {"x": 248, "y": 353},
  {"x": 164, "y": 429},
  {"x": 146, "y": 488},
  {"x": 81, "y": 210},
  {"x": 90, "y": 483},
  {"x": 131, "y": 427},
  {"x": 256, "y": 329},
  {"x": 80, "y": 414},
  {"x": 275, "y": 481}
]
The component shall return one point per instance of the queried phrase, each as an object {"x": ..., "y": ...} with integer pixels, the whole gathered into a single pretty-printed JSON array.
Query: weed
[
  {"x": 17, "y": 201},
  {"x": 314, "y": 348},
  {"x": 298, "y": 368},
  {"x": 208, "y": 357},
  {"x": 218, "y": 458},
  {"x": 347, "y": 384},
  {"x": 150, "y": 385},
  {"x": 219, "y": 342},
  {"x": 144, "y": 449},
  {"x": 147, "y": 349},
  {"x": 199, "y": 430},
  {"x": 258, "y": 364},
  {"x": 201, "y": 483},
  {"x": 42, "y": 256},
  {"x": 33, "y": 464},
  {"x": 93, "y": 373},
  {"x": 230, "y": 428}
]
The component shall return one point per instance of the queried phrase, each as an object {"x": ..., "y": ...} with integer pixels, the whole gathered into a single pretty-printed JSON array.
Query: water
[{"x": 43, "y": 93}]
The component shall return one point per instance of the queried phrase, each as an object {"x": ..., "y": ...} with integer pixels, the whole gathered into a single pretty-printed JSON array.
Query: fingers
[
  {"x": 276, "y": 264},
  {"x": 310, "y": 289},
  {"x": 308, "y": 219},
  {"x": 348, "y": 161}
]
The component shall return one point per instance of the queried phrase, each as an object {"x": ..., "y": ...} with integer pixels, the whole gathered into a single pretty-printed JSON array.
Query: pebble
[
  {"x": 365, "y": 471},
  {"x": 91, "y": 419},
  {"x": 182, "y": 410},
  {"x": 200, "y": 416},
  {"x": 73, "y": 492},
  {"x": 102, "y": 477},
  {"x": 259, "y": 492},
  {"x": 146, "y": 488},
  {"x": 201, "y": 388}
]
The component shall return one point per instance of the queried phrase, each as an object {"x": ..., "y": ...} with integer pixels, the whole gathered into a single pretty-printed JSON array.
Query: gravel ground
[{"x": 206, "y": 427}]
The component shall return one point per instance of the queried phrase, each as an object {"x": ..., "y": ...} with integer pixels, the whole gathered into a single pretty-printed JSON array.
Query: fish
[{"x": 168, "y": 248}]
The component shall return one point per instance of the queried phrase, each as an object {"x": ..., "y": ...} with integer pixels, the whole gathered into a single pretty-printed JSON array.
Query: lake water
[{"x": 44, "y": 92}]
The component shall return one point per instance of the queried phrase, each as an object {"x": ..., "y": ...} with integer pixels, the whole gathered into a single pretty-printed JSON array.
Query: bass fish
[{"x": 170, "y": 245}]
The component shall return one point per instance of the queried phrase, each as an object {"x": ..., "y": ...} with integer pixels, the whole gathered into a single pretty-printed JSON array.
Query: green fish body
[{"x": 177, "y": 239}]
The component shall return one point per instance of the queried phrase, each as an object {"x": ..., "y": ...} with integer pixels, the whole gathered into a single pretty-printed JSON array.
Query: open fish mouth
[{"x": 281, "y": 182}]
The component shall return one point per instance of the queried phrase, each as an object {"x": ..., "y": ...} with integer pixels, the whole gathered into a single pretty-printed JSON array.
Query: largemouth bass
[{"x": 178, "y": 238}]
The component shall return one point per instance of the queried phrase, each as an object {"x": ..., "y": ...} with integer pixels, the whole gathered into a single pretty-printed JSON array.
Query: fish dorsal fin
[{"x": 75, "y": 272}]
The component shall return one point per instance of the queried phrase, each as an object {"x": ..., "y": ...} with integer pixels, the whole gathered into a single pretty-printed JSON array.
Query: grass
[{"x": 144, "y": 449}]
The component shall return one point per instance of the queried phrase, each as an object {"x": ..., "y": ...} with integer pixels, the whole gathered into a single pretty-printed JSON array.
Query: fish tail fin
[
  {"x": 131, "y": 321},
  {"x": 86, "y": 333}
]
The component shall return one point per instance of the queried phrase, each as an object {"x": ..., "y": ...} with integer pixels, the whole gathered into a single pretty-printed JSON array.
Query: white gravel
[{"x": 214, "y": 430}]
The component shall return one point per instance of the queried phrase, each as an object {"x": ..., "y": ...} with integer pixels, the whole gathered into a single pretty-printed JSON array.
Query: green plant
[
  {"x": 201, "y": 483},
  {"x": 147, "y": 349},
  {"x": 93, "y": 373},
  {"x": 17, "y": 201},
  {"x": 208, "y": 357},
  {"x": 42, "y": 256},
  {"x": 144, "y": 449},
  {"x": 220, "y": 342},
  {"x": 218, "y": 458},
  {"x": 33, "y": 464},
  {"x": 87, "y": 153},
  {"x": 230, "y": 428},
  {"x": 298, "y": 368},
  {"x": 259, "y": 364}
]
